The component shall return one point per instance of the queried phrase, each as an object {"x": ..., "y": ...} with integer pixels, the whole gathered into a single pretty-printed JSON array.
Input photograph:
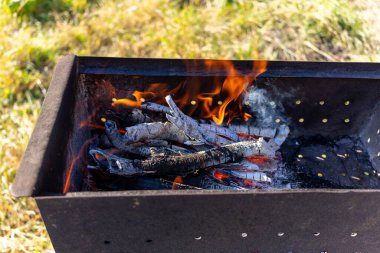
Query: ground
[{"x": 36, "y": 33}]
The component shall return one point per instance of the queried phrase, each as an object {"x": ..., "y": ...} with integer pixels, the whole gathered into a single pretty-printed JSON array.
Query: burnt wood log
[
  {"x": 185, "y": 164},
  {"x": 144, "y": 132}
]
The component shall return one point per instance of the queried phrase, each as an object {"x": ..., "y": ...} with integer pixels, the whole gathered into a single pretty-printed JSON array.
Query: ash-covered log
[{"x": 185, "y": 164}]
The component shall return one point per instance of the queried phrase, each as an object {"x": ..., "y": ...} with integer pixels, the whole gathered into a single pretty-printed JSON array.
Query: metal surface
[
  {"x": 193, "y": 221},
  {"x": 41, "y": 166},
  {"x": 209, "y": 221}
]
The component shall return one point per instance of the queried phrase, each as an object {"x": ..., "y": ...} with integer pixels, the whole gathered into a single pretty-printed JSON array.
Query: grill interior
[{"x": 334, "y": 139}]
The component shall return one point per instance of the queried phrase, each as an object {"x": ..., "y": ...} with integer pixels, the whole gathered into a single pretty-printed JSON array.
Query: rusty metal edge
[{"x": 37, "y": 162}]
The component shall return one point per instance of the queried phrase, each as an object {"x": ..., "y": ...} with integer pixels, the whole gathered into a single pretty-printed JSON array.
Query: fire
[
  {"x": 258, "y": 159},
  {"x": 80, "y": 155},
  {"x": 156, "y": 92},
  {"x": 177, "y": 181},
  {"x": 220, "y": 175},
  {"x": 220, "y": 99}
]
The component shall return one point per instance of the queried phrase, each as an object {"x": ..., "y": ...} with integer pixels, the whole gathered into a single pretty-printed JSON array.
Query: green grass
[{"x": 36, "y": 33}]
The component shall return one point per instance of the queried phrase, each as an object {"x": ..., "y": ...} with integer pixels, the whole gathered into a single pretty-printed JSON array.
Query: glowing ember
[
  {"x": 177, "y": 181},
  {"x": 258, "y": 159},
  {"x": 220, "y": 175}
]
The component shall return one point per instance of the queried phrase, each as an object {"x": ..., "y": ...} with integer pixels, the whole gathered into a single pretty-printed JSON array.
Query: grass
[{"x": 37, "y": 32}]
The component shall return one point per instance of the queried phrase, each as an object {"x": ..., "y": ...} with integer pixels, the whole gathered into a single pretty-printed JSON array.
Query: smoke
[{"x": 268, "y": 113}]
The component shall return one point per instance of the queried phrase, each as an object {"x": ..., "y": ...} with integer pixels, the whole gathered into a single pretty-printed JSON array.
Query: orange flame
[
  {"x": 82, "y": 150},
  {"x": 220, "y": 175},
  {"x": 218, "y": 100},
  {"x": 258, "y": 159},
  {"x": 178, "y": 180}
]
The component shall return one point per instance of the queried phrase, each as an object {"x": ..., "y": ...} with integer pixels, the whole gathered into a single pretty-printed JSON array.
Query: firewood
[
  {"x": 211, "y": 134},
  {"x": 249, "y": 175},
  {"x": 245, "y": 129},
  {"x": 187, "y": 124},
  {"x": 156, "y": 143},
  {"x": 219, "y": 130},
  {"x": 137, "y": 148},
  {"x": 281, "y": 134},
  {"x": 137, "y": 117},
  {"x": 149, "y": 106},
  {"x": 143, "y": 132},
  {"x": 185, "y": 164},
  {"x": 241, "y": 164}
]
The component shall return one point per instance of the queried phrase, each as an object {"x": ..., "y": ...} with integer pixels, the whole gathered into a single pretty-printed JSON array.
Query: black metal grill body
[{"x": 309, "y": 220}]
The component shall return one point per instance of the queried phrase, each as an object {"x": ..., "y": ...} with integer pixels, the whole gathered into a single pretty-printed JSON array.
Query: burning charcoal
[{"x": 185, "y": 164}]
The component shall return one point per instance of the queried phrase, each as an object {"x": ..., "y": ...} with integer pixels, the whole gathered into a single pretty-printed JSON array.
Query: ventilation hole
[
  {"x": 193, "y": 102},
  {"x": 280, "y": 234},
  {"x": 321, "y": 102},
  {"x": 320, "y": 174},
  {"x": 346, "y": 120},
  {"x": 149, "y": 241},
  {"x": 142, "y": 100},
  {"x": 301, "y": 120},
  {"x": 198, "y": 238},
  {"x": 300, "y": 156},
  {"x": 107, "y": 242},
  {"x": 366, "y": 173},
  {"x": 324, "y": 156},
  {"x": 324, "y": 120},
  {"x": 317, "y": 234},
  {"x": 277, "y": 120},
  {"x": 353, "y": 234},
  {"x": 346, "y": 103},
  {"x": 298, "y": 102},
  {"x": 369, "y": 140},
  {"x": 244, "y": 235}
]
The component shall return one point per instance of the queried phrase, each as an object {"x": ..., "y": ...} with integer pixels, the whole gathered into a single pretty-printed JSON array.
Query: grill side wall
[{"x": 170, "y": 223}]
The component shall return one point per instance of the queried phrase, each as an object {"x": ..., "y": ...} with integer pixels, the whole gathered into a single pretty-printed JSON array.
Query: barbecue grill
[{"x": 333, "y": 112}]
